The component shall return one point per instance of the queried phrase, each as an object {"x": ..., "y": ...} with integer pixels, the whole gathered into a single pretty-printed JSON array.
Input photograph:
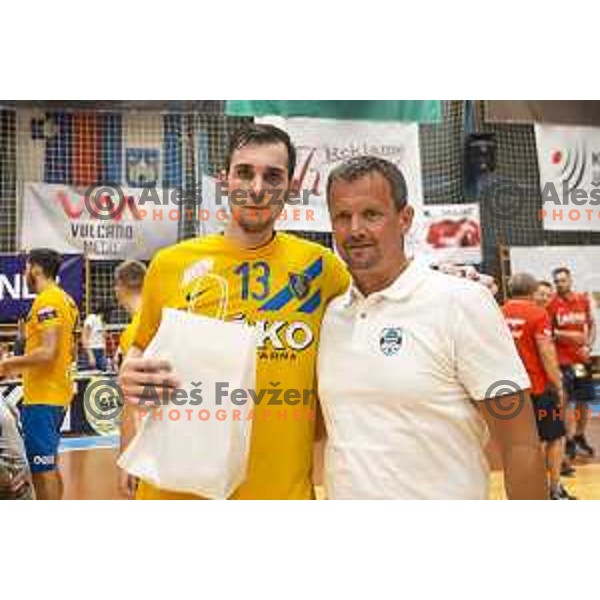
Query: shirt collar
[{"x": 404, "y": 285}]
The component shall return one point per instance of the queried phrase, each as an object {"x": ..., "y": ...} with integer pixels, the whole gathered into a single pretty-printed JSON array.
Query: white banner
[
  {"x": 56, "y": 216},
  {"x": 582, "y": 261},
  {"x": 322, "y": 144},
  {"x": 569, "y": 165},
  {"x": 448, "y": 233}
]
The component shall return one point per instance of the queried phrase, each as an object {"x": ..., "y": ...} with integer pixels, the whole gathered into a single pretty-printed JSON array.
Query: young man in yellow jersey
[
  {"x": 278, "y": 282},
  {"x": 46, "y": 367},
  {"x": 128, "y": 283}
]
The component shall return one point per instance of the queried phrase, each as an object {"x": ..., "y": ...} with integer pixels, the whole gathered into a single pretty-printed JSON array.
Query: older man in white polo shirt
[{"x": 413, "y": 363}]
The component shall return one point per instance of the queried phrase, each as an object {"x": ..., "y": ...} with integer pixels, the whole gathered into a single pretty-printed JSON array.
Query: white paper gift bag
[{"x": 198, "y": 448}]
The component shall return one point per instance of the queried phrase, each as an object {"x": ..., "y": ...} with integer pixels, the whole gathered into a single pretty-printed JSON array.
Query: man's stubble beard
[
  {"x": 30, "y": 281},
  {"x": 257, "y": 224}
]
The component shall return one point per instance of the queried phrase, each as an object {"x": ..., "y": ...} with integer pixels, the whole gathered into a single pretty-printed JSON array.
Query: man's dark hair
[
  {"x": 259, "y": 134},
  {"x": 48, "y": 260},
  {"x": 130, "y": 274},
  {"x": 544, "y": 283},
  {"x": 561, "y": 270},
  {"x": 522, "y": 284},
  {"x": 358, "y": 167}
]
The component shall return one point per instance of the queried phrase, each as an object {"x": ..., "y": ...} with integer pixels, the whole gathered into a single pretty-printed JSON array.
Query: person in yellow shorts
[
  {"x": 46, "y": 366},
  {"x": 128, "y": 283},
  {"x": 278, "y": 282}
]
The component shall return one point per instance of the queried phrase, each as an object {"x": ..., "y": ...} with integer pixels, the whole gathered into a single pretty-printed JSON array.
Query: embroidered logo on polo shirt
[{"x": 390, "y": 340}]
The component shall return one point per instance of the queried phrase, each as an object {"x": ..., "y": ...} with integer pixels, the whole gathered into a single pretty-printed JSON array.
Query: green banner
[{"x": 422, "y": 111}]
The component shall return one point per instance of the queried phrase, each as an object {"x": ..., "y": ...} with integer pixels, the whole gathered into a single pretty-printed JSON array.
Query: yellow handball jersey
[
  {"x": 282, "y": 288},
  {"x": 128, "y": 335},
  {"x": 52, "y": 382}
]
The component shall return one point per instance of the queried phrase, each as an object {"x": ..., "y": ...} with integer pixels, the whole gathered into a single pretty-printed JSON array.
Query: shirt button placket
[{"x": 359, "y": 337}]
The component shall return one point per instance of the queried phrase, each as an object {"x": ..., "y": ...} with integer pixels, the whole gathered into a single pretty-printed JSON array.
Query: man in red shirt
[
  {"x": 574, "y": 332},
  {"x": 542, "y": 297},
  {"x": 532, "y": 332}
]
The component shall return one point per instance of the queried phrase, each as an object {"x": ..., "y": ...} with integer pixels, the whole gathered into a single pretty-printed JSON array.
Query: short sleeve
[
  {"x": 486, "y": 356},
  {"x": 541, "y": 325},
  {"x": 48, "y": 314}
]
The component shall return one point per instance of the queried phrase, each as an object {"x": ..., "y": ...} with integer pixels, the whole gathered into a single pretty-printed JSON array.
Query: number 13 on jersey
[{"x": 255, "y": 279}]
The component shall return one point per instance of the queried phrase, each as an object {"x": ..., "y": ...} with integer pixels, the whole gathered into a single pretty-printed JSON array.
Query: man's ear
[
  {"x": 406, "y": 216},
  {"x": 222, "y": 176}
]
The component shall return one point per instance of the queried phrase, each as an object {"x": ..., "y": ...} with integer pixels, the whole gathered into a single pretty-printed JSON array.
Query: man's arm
[
  {"x": 591, "y": 325},
  {"x": 524, "y": 471},
  {"x": 487, "y": 360},
  {"x": 138, "y": 373},
  {"x": 44, "y": 354},
  {"x": 128, "y": 427},
  {"x": 574, "y": 337},
  {"x": 592, "y": 333},
  {"x": 320, "y": 431},
  {"x": 547, "y": 351},
  {"x": 129, "y": 416},
  {"x": 319, "y": 447},
  {"x": 127, "y": 483}
]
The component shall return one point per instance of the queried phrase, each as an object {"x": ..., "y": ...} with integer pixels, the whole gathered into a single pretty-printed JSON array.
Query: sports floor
[{"x": 89, "y": 471}]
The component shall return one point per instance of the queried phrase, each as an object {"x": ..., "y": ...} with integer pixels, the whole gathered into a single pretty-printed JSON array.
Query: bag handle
[{"x": 224, "y": 300}]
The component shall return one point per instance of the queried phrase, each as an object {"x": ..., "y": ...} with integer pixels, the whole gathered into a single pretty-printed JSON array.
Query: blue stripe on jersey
[
  {"x": 311, "y": 304},
  {"x": 285, "y": 295}
]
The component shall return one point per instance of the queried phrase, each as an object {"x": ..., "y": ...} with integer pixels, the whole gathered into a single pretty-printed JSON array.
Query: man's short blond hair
[{"x": 130, "y": 274}]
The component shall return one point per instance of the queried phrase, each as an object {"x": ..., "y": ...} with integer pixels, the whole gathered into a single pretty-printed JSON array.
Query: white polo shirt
[{"x": 397, "y": 373}]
